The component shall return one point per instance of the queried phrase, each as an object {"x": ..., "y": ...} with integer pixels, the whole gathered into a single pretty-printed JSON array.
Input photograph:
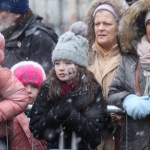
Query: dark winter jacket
[
  {"x": 135, "y": 134},
  {"x": 90, "y": 124},
  {"x": 31, "y": 41}
]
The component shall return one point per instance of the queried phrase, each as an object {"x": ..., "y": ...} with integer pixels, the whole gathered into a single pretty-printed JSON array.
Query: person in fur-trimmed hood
[
  {"x": 102, "y": 19},
  {"x": 130, "y": 88}
]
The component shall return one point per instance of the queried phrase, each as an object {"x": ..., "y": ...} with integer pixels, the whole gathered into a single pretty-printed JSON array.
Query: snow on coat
[{"x": 89, "y": 123}]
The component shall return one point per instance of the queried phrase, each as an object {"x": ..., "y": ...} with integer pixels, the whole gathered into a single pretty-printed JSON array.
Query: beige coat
[{"x": 104, "y": 71}]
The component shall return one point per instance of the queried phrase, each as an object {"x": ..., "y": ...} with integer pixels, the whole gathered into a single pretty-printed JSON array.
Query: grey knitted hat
[{"x": 73, "y": 45}]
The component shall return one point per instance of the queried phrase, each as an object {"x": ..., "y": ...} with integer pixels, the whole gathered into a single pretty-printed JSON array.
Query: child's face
[
  {"x": 32, "y": 90},
  {"x": 65, "y": 70}
]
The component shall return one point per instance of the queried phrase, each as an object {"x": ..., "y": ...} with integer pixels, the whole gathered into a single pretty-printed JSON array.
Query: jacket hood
[
  {"x": 119, "y": 5},
  {"x": 132, "y": 25}
]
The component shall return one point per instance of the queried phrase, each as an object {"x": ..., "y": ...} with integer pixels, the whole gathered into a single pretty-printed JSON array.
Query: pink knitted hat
[
  {"x": 29, "y": 72},
  {"x": 2, "y": 46}
]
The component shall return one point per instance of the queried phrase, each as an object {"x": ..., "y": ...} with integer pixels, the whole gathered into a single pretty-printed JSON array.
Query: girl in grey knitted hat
[{"x": 71, "y": 98}]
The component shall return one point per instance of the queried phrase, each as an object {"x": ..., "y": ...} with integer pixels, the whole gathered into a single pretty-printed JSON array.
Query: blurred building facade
[{"x": 60, "y": 14}]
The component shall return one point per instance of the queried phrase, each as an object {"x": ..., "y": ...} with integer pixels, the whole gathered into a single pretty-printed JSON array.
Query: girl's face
[
  {"x": 105, "y": 27},
  {"x": 148, "y": 30},
  {"x": 32, "y": 90},
  {"x": 65, "y": 70}
]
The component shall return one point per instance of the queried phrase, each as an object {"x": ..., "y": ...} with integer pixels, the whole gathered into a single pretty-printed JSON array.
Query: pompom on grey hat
[{"x": 73, "y": 45}]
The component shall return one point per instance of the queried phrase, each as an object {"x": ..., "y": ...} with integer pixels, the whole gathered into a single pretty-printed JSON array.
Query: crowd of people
[{"x": 69, "y": 81}]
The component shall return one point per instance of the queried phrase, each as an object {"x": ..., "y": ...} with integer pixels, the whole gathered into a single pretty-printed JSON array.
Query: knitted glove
[
  {"x": 64, "y": 108},
  {"x": 132, "y": 105},
  {"x": 142, "y": 110}
]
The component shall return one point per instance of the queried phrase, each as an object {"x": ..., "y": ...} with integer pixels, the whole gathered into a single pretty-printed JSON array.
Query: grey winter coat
[
  {"x": 123, "y": 84},
  {"x": 135, "y": 134}
]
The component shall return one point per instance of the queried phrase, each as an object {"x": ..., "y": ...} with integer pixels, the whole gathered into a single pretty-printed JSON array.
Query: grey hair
[{"x": 79, "y": 28}]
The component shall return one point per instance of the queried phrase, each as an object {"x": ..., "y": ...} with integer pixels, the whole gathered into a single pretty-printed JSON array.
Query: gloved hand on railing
[
  {"x": 137, "y": 107},
  {"x": 64, "y": 107}
]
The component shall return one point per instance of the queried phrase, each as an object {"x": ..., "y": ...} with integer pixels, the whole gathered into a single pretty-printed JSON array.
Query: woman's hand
[{"x": 116, "y": 119}]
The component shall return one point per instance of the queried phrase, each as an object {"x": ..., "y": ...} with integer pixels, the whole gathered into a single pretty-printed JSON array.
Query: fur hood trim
[
  {"x": 119, "y": 5},
  {"x": 132, "y": 25}
]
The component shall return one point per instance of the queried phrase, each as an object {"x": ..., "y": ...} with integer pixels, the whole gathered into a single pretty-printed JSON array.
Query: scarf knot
[{"x": 67, "y": 87}]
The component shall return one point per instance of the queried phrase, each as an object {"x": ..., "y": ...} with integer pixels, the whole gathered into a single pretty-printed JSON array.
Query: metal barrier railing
[
  {"x": 110, "y": 109},
  {"x": 74, "y": 145},
  {"x": 114, "y": 109}
]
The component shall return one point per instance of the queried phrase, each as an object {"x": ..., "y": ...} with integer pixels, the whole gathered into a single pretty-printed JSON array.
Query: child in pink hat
[{"x": 31, "y": 74}]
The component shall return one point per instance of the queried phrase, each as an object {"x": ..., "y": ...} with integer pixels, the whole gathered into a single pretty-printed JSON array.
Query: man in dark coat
[{"x": 27, "y": 38}]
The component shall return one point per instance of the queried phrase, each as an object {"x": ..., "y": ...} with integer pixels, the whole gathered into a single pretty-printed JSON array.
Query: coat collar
[
  {"x": 111, "y": 62},
  {"x": 113, "y": 52}
]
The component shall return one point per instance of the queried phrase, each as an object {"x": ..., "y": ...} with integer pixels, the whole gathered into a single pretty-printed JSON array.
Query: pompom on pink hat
[
  {"x": 29, "y": 72},
  {"x": 2, "y": 47}
]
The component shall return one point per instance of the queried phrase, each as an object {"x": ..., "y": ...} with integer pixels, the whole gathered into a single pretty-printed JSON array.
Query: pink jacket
[
  {"x": 13, "y": 98},
  {"x": 21, "y": 138}
]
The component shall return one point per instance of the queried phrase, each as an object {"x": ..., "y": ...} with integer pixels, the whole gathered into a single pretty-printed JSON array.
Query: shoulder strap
[{"x": 137, "y": 81}]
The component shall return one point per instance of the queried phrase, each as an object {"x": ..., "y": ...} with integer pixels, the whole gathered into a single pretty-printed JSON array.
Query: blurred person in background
[
  {"x": 103, "y": 19},
  {"x": 13, "y": 98},
  {"x": 31, "y": 75},
  {"x": 27, "y": 38},
  {"x": 130, "y": 89}
]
